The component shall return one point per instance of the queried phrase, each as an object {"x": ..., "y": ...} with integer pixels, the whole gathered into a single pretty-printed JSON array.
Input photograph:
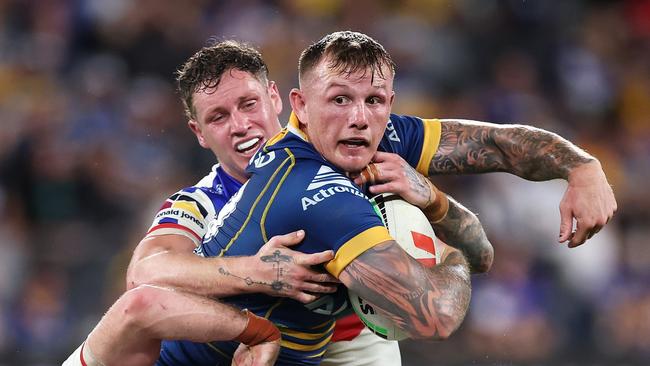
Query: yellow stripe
[
  {"x": 294, "y": 126},
  {"x": 275, "y": 193},
  {"x": 252, "y": 209},
  {"x": 268, "y": 312},
  {"x": 320, "y": 325},
  {"x": 432, "y": 130},
  {"x": 294, "y": 121},
  {"x": 188, "y": 206},
  {"x": 273, "y": 140},
  {"x": 305, "y": 347},
  {"x": 319, "y": 354},
  {"x": 227, "y": 356},
  {"x": 306, "y": 336},
  {"x": 355, "y": 246}
]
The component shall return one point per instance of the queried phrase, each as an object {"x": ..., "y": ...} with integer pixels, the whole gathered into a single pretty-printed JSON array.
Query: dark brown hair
[
  {"x": 349, "y": 52},
  {"x": 204, "y": 69}
]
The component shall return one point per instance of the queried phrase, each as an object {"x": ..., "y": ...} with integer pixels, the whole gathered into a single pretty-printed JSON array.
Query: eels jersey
[{"x": 292, "y": 187}]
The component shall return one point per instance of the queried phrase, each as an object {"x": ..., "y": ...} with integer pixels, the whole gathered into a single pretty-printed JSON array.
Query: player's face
[
  {"x": 236, "y": 119},
  {"x": 345, "y": 115}
]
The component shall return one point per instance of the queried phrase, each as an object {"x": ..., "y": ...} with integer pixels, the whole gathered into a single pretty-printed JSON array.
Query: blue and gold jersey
[{"x": 292, "y": 187}]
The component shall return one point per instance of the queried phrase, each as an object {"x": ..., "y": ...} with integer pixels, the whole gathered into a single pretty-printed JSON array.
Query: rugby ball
[{"x": 410, "y": 228}]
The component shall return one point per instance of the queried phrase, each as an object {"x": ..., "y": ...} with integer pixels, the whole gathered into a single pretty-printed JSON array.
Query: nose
[
  {"x": 359, "y": 118},
  {"x": 239, "y": 123}
]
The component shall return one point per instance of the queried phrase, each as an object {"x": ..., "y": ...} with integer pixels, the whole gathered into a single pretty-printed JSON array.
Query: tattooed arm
[
  {"x": 426, "y": 303},
  {"x": 460, "y": 228},
  {"x": 477, "y": 147},
  {"x": 276, "y": 270}
]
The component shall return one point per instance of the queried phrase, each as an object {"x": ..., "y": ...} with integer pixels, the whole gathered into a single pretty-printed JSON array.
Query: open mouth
[
  {"x": 354, "y": 142},
  {"x": 248, "y": 145}
]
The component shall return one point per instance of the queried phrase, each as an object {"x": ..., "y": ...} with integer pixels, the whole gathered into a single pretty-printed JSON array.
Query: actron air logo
[{"x": 337, "y": 183}]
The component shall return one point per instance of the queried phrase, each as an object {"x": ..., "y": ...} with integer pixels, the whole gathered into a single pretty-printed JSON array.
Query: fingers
[
  {"x": 369, "y": 174},
  {"x": 286, "y": 240},
  {"x": 579, "y": 236},
  {"x": 306, "y": 297},
  {"x": 566, "y": 224},
  {"x": 315, "y": 259}
]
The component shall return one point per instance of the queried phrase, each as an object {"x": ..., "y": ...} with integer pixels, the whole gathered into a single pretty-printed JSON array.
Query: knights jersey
[{"x": 292, "y": 187}]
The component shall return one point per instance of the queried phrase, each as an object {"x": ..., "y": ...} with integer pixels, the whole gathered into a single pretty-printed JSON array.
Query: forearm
[
  {"x": 168, "y": 261},
  {"x": 462, "y": 230},
  {"x": 426, "y": 303},
  {"x": 477, "y": 147}
]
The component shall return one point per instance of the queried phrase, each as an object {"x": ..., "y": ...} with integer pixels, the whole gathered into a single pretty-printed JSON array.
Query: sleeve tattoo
[
  {"x": 427, "y": 303},
  {"x": 462, "y": 230},
  {"x": 476, "y": 147}
]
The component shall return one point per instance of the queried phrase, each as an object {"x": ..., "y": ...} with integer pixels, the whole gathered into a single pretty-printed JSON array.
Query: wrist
[
  {"x": 258, "y": 330},
  {"x": 437, "y": 209},
  {"x": 585, "y": 172}
]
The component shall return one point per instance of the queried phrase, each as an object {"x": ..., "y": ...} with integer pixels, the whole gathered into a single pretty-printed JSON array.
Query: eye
[
  {"x": 249, "y": 105},
  {"x": 374, "y": 100},
  {"x": 217, "y": 118},
  {"x": 340, "y": 99}
]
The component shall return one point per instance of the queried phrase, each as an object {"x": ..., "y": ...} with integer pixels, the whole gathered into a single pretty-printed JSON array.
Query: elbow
[
  {"x": 485, "y": 260},
  {"x": 139, "y": 274},
  {"x": 444, "y": 327}
]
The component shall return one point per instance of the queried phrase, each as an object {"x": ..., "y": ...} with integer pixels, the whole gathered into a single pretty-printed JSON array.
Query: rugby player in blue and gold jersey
[{"x": 587, "y": 199}]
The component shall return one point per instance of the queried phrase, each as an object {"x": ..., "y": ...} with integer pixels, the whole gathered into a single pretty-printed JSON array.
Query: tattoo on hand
[
  {"x": 276, "y": 259},
  {"x": 417, "y": 184}
]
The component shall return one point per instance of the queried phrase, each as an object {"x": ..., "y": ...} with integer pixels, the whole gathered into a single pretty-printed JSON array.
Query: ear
[
  {"x": 274, "y": 94},
  {"x": 392, "y": 98},
  {"x": 297, "y": 100},
  {"x": 196, "y": 128}
]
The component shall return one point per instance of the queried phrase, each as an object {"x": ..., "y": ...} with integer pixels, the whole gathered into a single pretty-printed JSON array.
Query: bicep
[
  {"x": 162, "y": 243},
  {"x": 467, "y": 147}
]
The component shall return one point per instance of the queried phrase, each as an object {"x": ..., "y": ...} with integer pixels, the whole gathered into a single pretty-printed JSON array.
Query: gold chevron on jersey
[
  {"x": 327, "y": 175},
  {"x": 189, "y": 206},
  {"x": 184, "y": 213}
]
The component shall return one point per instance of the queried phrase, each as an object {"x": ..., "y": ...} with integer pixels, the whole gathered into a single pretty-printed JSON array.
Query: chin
[{"x": 352, "y": 167}]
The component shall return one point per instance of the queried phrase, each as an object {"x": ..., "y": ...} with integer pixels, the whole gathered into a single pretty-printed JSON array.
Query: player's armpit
[{"x": 426, "y": 303}]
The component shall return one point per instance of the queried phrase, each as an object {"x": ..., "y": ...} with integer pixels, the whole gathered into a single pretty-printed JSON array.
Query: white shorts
[
  {"x": 82, "y": 357},
  {"x": 366, "y": 349}
]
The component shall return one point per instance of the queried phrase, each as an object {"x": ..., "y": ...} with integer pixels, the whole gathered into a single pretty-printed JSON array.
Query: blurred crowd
[{"x": 93, "y": 138}]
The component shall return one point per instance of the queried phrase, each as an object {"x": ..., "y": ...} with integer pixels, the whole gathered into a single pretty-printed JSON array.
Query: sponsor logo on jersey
[
  {"x": 391, "y": 133},
  {"x": 337, "y": 182},
  {"x": 172, "y": 215}
]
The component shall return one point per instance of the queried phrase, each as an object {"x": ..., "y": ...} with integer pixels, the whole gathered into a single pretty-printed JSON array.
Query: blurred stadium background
[{"x": 93, "y": 138}]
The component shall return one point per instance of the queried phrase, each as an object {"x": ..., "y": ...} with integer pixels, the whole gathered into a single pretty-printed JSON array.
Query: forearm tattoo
[
  {"x": 528, "y": 152},
  {"x": 427, "y": 303},
  {"x": 277, "y": 260},
  {"x": 462, "y": 230}
]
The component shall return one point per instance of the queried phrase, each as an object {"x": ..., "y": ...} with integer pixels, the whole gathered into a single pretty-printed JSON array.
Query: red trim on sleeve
[
  {"x": 81, "y": 355},
  {"x": 174, "y": 226}
]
